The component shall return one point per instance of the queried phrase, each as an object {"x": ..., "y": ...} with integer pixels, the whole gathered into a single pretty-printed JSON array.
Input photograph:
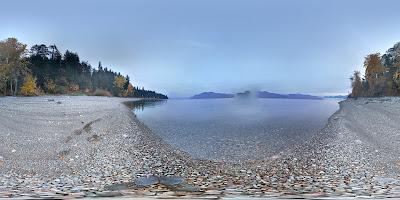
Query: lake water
[{"x": 235, "y": 129}]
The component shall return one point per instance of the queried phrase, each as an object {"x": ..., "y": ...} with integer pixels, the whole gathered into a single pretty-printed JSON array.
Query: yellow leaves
[
  {"x": 129, "y": 91},
  {"x": 29, "y": 87},
  {"x": 119, "y": 82},
  {"x": 373, "y": 66}
]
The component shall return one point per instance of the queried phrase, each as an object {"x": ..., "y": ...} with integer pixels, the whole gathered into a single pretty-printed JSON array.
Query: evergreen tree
[{"x": 54, "y": 73}]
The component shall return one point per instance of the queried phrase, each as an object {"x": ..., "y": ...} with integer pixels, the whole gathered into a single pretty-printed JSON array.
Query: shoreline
[{"x": 121, "y": 154}]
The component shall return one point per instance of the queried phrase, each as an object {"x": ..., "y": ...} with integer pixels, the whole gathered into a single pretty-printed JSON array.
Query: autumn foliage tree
[
  {"x": 119, "y": 84},
  {"x": 29, "y": 87},
  {"x": 375, "y": 75},
  {"x": 129, "y": 91},
  {"x": 13, "y": 66},
  {"x": 382, "y": 75}
]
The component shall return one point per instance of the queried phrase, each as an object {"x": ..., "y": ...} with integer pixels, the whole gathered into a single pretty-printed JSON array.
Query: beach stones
[
  {"x": 184, "y": 187},
  {"x": 170, "y": 181},
  {"x": 1, "y": 161},
  {"x": 146, "y": 181},
  {"x": 118, "y": 187},
  {"x": 108, "y": 194},
  {"x": 174, "y": 183}
]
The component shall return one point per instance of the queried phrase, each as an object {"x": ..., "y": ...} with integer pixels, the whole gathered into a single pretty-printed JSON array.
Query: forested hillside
[
  {"x": 381, "y": 77},
  {"x": 45, "y": 70}
]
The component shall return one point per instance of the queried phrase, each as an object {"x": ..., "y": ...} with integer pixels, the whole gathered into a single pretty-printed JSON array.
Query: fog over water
[{"x": 235, "y": 129}]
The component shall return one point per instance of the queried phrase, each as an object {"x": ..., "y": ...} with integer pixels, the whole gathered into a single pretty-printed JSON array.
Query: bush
[
  {"x": 101, "y": 92},
  {"x": 50, "y": 86},
  {"x": 61, "y": 89},
  {"x": 29, "y": 87}
]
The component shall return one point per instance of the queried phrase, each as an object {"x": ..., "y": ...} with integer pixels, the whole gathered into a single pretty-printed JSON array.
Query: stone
[
  {"x": 146, "y": 181},
  {"x": 108, "y": 194},
  {"x": 184, "y": 187},
  {"x": 170, "y": 180},
  {"x": 119, "y": 187}
]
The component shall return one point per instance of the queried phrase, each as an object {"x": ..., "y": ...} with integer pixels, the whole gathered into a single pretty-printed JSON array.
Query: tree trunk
[
  {"x": 11, "y": 88},
  {"x": 16, "y": 87}
]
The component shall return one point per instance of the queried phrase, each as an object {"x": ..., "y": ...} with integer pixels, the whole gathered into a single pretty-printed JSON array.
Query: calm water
[{"x": 235, "y": 129}]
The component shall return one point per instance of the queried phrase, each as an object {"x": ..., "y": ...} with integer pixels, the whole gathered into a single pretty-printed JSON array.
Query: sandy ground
[{"x": 75, "y": 146}]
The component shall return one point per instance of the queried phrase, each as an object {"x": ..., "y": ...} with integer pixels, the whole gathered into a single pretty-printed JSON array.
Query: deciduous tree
[
  {"x": 12, "y": 63},
  {"x": 29, "y": 87}
]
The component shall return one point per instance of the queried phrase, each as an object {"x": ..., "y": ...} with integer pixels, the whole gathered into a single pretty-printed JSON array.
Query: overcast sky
[{"x": 182, "y": 47}]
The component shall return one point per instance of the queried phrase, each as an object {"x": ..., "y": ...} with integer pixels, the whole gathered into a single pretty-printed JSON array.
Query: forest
[
  {"x": 45, "y": 70},
  {"x": 381, "y": 76}
]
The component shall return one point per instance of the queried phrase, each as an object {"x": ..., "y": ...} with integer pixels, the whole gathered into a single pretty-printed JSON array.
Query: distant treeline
[
  {"x": 44, "y": 70},
  {"x": 382, "y": 75}
]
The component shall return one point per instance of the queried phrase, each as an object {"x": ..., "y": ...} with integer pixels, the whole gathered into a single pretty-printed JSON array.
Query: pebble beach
[{"x": 60, "y": 147}]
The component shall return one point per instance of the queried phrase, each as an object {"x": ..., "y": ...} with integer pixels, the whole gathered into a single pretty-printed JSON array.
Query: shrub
[
  {"x": 50, "y": 86},
  {"x": 61, "y": 89},
  {"x": 29, "y": 87}
]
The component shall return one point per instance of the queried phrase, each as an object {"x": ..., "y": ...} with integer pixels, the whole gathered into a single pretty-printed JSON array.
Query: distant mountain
[
  {"x": 303, "y": 96},
  {"x": 265, "y": 94},
  {"x": 260, "y": 94},
  {"x": 336, "y": 97},
  {"x": 211, "y": 95}
]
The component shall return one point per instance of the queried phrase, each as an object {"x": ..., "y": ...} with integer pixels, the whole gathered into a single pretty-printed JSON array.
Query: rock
[
  {"x": 170, "y": 180},
  {"x": 108, "y": 194},
  {"x": 146, "y": 181},
  {"x": 184, "y": 187},
  {"x": 149, "y": 193},
  {"x": 119, "y": 186},
  {"x": 213, "y": 192}
]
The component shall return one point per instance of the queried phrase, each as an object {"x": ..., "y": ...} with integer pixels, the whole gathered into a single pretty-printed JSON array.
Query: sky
[{"x": 183, "y": 47}]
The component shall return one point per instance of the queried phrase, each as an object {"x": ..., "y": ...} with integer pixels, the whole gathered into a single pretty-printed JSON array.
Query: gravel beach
[{"x": 71, "y": 147}]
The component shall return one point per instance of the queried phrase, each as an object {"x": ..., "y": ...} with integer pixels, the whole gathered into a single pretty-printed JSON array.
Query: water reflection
[
  {"x": 141, "y": 104},
  {"x": 235, "y": 129}
]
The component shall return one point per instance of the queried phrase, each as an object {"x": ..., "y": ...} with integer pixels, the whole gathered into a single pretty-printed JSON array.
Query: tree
[
  {"x": 375, "y": 75},
  {"x": 53, "y": 72},
  {"x": 119, "y": 84},
  {"x": 127, "y": 82},
  {"x": 373, "y": 67},
  {"x": 29, "y": 87},
  {"x": 357, "y": 85},
  {"x": 12, "y": 64},
  {"x": 4, "y": 75},
  {"x": 129, "y": 91},
  {"x": 50, "y": 86}
]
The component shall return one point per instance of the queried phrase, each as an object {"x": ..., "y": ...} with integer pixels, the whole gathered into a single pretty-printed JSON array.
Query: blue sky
[{"x": 182, "y": 47}]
